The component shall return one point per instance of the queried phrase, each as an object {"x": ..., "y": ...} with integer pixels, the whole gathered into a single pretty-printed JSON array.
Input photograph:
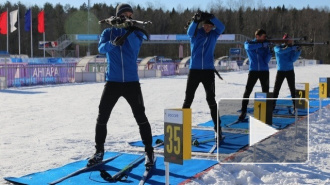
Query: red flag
[
  {"x": 41, "y": 22},
  {"x": 3, "y": 23}
]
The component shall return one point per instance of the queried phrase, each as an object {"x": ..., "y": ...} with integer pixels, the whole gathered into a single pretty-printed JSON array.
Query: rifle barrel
[
  {"x": 140, "y": 22},
  {"x": 280, "y": 41},
  {"x": 312, "y": 43},
  {"x": 127, "y": 22},
  {"x": 286, "y": 40}
]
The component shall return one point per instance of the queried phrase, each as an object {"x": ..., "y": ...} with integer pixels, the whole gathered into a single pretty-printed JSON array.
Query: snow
[{"x": 45, "y": 127}]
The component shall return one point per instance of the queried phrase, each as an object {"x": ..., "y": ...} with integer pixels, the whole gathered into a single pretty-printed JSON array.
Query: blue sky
[{"x": 202, "y": 4}]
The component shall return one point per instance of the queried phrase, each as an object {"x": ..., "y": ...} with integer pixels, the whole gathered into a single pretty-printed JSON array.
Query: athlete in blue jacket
[
  {"x": 122, "y": 80},
  {"x": 202, "y": 43},
  {"x": 259, "y": 55},
  {"x": 121, "y": 60},
  {"x": 286, "y": 55}
]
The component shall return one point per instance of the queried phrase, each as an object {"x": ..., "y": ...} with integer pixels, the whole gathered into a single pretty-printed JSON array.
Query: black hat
[
  {"x": 208, "y": 22},
  {"x": 121, "y": 8}
]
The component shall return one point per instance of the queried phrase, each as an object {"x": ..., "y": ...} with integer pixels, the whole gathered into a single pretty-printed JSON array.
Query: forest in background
[{"x": 238, "y": 19}]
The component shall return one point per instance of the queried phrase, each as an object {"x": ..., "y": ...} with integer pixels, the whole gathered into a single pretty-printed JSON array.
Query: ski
[
  {"x": 215, "y": 146},
  {"x": 276, "y": 126},
  {"x": 284, "y": 108},
  {"x": 236, "y": 122},
  {"x": 287, "y": 116},
  {"x": 84, "y": 169},
  {"x": 146, "y": 173},
  {"x": 159, "y": 142},
  {"x": 122, "y": 174},
  {"x": 233, "y": 123},
  {"x": 195, "y": 142}
]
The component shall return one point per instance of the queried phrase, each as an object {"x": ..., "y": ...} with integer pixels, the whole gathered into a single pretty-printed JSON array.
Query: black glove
[
  {"x": 197, "y": 17},
  {"x": 118, "y": 42},
  {"x": 121, "y": 19},
  {"x": 206, "y": 16}
]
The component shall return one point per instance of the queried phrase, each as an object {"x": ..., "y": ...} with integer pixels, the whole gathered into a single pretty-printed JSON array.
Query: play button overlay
[
  {"x": 284, "y": 141},
  {"x": 259, "y": 131}
]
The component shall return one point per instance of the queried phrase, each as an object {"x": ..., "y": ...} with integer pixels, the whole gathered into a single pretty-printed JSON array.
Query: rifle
[
  {"x": 294, "y": 42},
  {"x": 119, "y": 22},
  {"x": 311, "y": 44},
  {"x": 123, "y": 22},
  {"x": 308, "y": 44},
  {"x": 198, "y": 17},
  {"x": 284, "y": 41},
  {"x": 198, "y": 14},
  {"x": 280, "y": 41}
]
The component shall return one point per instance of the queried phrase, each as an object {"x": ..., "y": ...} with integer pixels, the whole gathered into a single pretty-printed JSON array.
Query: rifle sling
[{"x": 217, "y": 73}]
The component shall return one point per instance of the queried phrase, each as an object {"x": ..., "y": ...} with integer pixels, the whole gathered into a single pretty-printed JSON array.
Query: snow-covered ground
[{"x": 44, "y": 127}]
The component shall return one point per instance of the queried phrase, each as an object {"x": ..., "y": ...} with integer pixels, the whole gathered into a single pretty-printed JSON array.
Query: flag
[
  {"x": 27, "y": 25},
  {"x": 41, "y": 22},
  {"x": 13, "y": 20},
  {"x": 3, "y": 23}
]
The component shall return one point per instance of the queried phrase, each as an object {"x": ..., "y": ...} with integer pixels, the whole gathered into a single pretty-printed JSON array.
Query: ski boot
[
  {"x": 242, "y": 116},
  {"x": 96, "y": 158},
  {"x": 149, "y": 159}
]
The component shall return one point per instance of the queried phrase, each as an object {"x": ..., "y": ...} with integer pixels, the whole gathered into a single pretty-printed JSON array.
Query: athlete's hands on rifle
[
  {"x": 199, "y": 17},
  {"x": 202, "y": 16},
  {"x": 206, "y": 16}
]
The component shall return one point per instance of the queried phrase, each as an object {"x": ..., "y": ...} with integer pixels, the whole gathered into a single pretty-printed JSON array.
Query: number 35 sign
[{"x": 177, "y": 131}]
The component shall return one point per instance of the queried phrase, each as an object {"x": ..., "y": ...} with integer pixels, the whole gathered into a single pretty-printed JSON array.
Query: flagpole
[
  {"x": 44, "y": 31},
  {"x": 19, "y": 34},
  {"x": 31, "y": 33},
  {"x": 7, "y": 31},
  {"x": 44, "y": 45}
]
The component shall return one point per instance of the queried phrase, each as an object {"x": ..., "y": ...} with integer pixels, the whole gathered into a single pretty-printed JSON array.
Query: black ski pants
[
  {"x": 290, "y": 78},
  {"x": 131, "y": 91},
  {"x": 253, "y": 77},
  {"x": 206, "y": 77}
]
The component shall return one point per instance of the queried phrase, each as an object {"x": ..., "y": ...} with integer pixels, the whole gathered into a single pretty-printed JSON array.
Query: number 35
[{"x": 174, "y": 139}]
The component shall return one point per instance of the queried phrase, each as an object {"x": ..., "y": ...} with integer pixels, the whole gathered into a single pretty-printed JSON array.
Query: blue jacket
[
  {"x": 203, "y": 44},
  {"x": 285, "y": 57},
  {"x": 122, "y": 66},
  {"x": 259, "y": 56}
]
